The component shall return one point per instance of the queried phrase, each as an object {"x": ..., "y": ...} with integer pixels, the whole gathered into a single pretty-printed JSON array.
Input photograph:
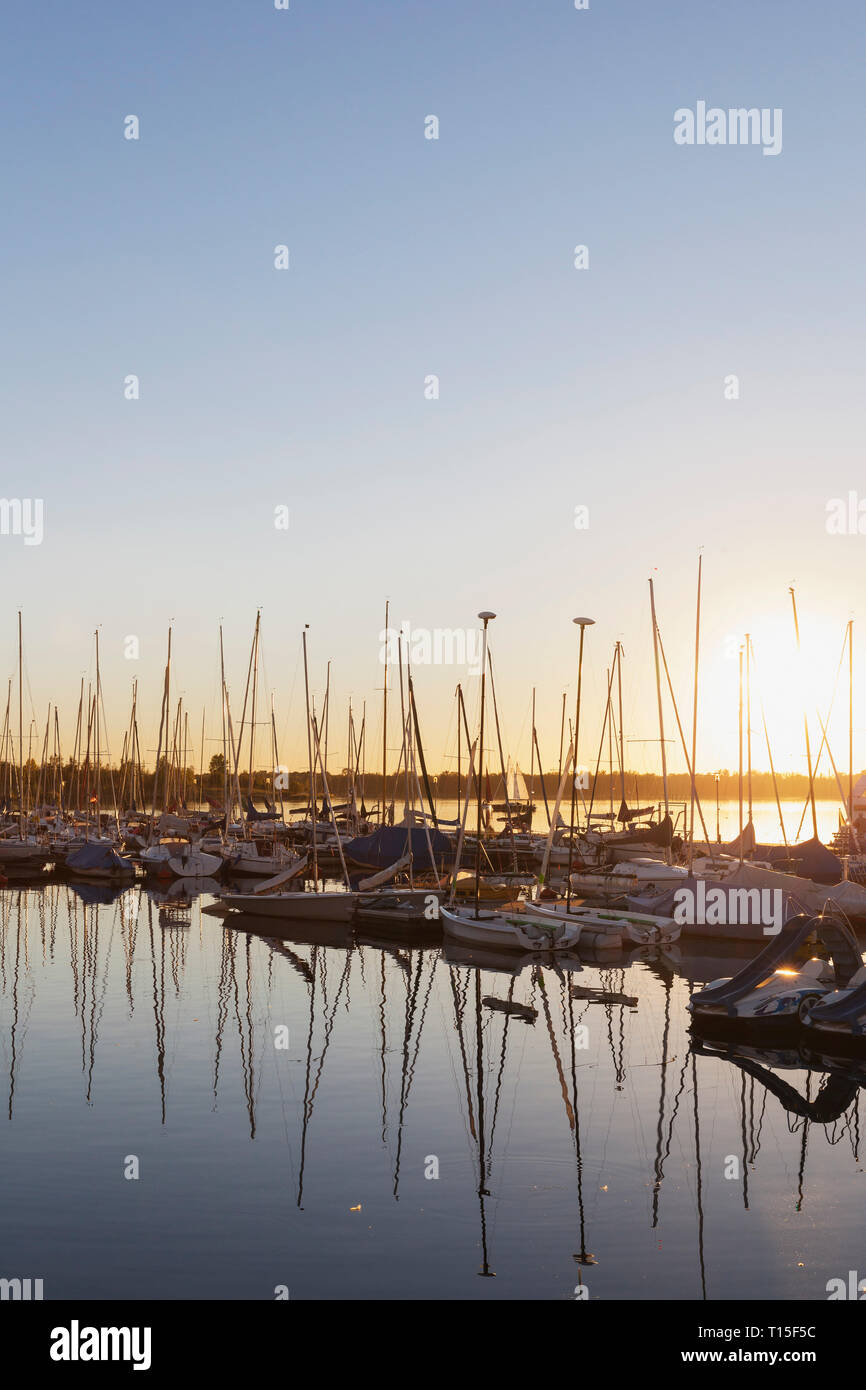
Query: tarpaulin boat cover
[
  {"x": 388, "y": 843},
  {"x": 810, "y": 859},
  {"x": 96, "y": 856},
  {"x": 660, "y": 835},
  {"x": 733, "y": 846},
  {"x": 625, "y": 814}
]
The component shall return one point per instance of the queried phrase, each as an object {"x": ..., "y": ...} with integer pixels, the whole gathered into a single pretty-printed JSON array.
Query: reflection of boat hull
[
  {"x": 105, "y": 875},
  {"x": 338, "y": 936},
  {"x": 301, "y": 907},
  {"x": 498, "y": 960},
  {"x": 842, "y": 1077}
]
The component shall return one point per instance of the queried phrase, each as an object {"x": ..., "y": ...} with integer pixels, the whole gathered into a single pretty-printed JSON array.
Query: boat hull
[
  {"x": 508, "y": 931},
  {"x": 299, "y": 907}
]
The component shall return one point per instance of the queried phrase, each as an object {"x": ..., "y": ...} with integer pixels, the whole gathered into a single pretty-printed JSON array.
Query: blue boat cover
[
  {"x": 97, "y": 856},
  {"x": 389, "y": 843}
]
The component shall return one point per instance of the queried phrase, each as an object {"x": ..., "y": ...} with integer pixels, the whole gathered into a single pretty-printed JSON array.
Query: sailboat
[
  {"x": 21, "y": 853},
  {"x": 519, "y": 930},
  {"x": 326, "y": 905}
]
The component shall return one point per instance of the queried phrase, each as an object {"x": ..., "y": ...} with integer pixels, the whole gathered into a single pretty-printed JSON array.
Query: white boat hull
[
  {"x": 519, "y": 931},
  {"x": 195, "y": 865},
  {"x": 300, "y": 907}
]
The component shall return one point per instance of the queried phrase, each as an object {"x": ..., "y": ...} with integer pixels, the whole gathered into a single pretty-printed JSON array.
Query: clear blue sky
[{"x": 559, "y": 387}]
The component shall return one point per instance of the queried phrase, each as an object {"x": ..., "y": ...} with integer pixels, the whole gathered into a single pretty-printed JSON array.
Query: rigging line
[
  {"x": 756, "y": 1148},
  {"x": 675, "y": 1110},
  {"x": 663, "y": 1086},
  {"x": 407, "y": 1032},
  {"x": 744, "y": 1136},
  {"x": 824, "y": 734},
  {"x": 446, "y": 1033},
  {"x": 517, "y": 1072},
  {"x": 506, "y": 1022},
  {"x": 458, "y": 1014},
  {"x": 699, "y": 1172}
]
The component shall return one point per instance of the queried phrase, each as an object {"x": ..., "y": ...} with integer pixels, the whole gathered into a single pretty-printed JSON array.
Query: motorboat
[
  {"x": 776, "y": 990},
  {"x": 336, "y": 905},
  {"x": 520, "y": 930},
  {"x": 841, "y": 1014}
]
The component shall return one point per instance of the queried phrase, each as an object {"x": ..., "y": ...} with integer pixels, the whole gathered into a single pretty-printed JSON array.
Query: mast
[
  {"x": 561, "y": 734},
  {"x": 8, "y": 749},
  {"x": 805, "y": 725},
  {"x": 58, "y": 761},
  {"x": 618, "y": 657},
  {"x": 458, "y": 755},
  {"x": 277, "y": 758},
  {"x": 609, "y": 675},
  {"x": 749, "y": 724},
  {"x": 532, "y": 765},
  {"x": 327, "y": 717},
  {"x": 502, "y": 767},
  {"x": 659, "y": 697},
  {"x": 485, "y": 617},
  {"x": 98, "y": 751},
  {"x": 407, "y": 734},
  {"x": 20, "y": 730},
  {"x": 385, "y": 716},
  {"x": 851, "y": 731},
  {"x": 253, "y": 711},
  {"x": 75, "y": 798},
  {"x": 162, "y": 718},
  {"x": 695, "y": 713},
  {"x": 740, "y": 727},
  {"x": 201, "y": 765},
  {"x": 167, "y": 717},
  {"x": 583, "y": 624},
  {"x": 226, "y": 808},
  {"x": 313, "y": 808}
]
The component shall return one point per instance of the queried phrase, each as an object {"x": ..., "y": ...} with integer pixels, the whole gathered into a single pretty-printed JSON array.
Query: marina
[{"x": 414, "y": 1038}]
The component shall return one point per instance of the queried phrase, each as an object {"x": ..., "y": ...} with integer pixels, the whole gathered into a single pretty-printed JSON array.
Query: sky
[{"x": 558, "y": 388}]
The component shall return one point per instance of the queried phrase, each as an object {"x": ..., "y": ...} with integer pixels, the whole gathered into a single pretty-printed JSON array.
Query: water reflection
[{"x": 440, "y": 1114}]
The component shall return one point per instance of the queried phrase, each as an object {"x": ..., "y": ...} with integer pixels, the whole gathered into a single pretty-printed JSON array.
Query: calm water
[
  {"x": 261, "y": 1166},
  {"x": 765, "y": 816}
]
